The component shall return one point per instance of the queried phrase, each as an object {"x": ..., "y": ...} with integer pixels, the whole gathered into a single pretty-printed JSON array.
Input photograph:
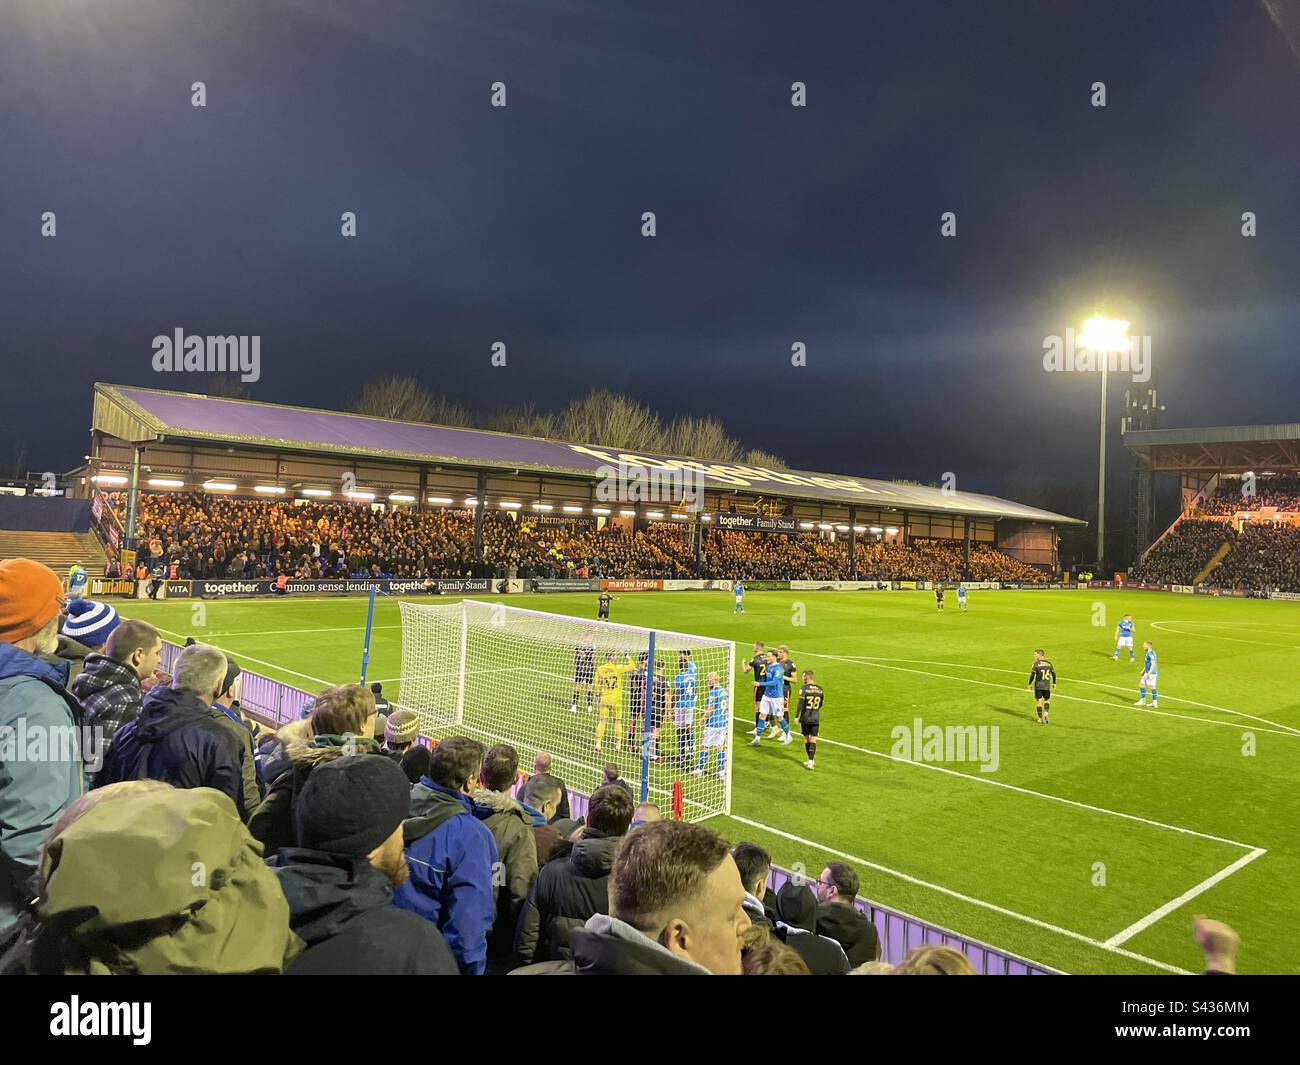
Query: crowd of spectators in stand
[
  {"x": 1264, "y": 557},
  {"x": 1236, "y": 495},
  {"x": 771, "y": 557},
  {"x": 321, "y": 856},
  {"x": 1183, "y": 553},
  {"x": 207, "y": 536}
]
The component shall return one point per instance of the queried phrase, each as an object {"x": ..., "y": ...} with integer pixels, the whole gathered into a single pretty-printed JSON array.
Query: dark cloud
[{"x": 775, "y": 224}]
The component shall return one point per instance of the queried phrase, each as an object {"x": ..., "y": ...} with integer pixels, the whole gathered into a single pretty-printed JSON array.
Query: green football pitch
[{"x": 1087, "y": 845}]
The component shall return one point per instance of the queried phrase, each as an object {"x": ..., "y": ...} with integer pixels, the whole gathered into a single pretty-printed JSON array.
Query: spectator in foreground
[
  {"x": 33, "y": 695},
  {"x": 177, "y": 737},
  {"x": 225, "y": 708},
  {"x": 516, "y": 847},
  {"x": 400, "y": 731},
  {"x": 451, "y": 854},
  {"x": 109, "y": 687},
  {"x": 340, "y": 724},
  {"x": 839, "y": 919},
  {"x": 415, "y": 763},
  {"x": 1219, "y": 944},
  {"x": 763, "y": 955},
  {"x": 754, "y": 864},
  {"x": 84, "y": 630},
  {"x": 572, "y": 889},
  {"x": 610, "y": 776},
  {"x": 118, "y": 902},
  {"x": 872, "y": 968},
  {"x": 339, "y": 880},
  {"x": 542, "y": 764},
  {"x": 935, "y": 961},
  {"x": 539, "y": 799},
  {"x": 646, "y": 813},
  {"x": 796, "y": 924},
  {"x": 676, "y": 907}
]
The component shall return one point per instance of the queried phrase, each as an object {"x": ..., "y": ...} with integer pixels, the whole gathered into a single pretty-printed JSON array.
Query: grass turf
[{"x": 1036, "y": 857}]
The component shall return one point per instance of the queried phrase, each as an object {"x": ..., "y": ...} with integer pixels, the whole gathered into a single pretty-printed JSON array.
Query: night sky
[{"x": 776, "y": 224}]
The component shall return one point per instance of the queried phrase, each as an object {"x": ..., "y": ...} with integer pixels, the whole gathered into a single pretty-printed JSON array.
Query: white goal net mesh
[{"x": 578, "y": 690}]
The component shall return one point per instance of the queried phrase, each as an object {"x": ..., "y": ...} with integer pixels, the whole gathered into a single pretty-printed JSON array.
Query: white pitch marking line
[
  {"x": 1173, "y": 904},
  {"x": 1047, "y": 926},
  {"x": 293, "y": 632},
  {"x": 1163, "y": 626},
  {"x": 1029, "y": 791},
  {"x": 259, "y": 661},
  {"x": 863, "y": 661},
  {"x": 866, "y": 659}
]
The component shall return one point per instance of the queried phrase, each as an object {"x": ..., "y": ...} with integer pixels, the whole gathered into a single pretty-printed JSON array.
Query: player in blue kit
[
  {"x": 1150, "y": 678},
  {"x": 739, "y": 589},
  {"x": 684, "y": 707},
  {"x": 773, "y": 704},
  {"x": 1124, "y": 636},
  {"x": 77, "y": 580},
  {"x": 716, "y": 723},
  {"x": 961, "y": 598}
]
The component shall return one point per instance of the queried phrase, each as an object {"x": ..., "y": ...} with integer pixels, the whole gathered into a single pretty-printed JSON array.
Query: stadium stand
[
  {"x": 1233, "y": 496},
  {"x": 1183, "y": 553},
  {"x": 1263, "y": 557},
  {"x": 210, "y": 536},
  {"x": 58, "y": 550}
]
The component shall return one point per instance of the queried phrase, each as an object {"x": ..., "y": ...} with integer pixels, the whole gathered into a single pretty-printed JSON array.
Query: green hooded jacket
[{"x": 163, "y": 882}]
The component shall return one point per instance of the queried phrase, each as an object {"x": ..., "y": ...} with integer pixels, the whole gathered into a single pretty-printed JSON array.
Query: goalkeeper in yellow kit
[{"x": 609, "y": 689}]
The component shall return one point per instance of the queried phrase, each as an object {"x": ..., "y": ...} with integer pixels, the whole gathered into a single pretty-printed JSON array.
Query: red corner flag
[{"x": 678, "y": 809}]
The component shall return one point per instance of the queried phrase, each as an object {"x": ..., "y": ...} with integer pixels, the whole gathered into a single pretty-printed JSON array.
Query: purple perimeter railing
[{"x": 277, "y": 704}]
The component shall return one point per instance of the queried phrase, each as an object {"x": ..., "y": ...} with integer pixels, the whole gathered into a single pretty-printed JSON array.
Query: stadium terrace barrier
[
  {"x": 269, "y": 701},
  {"x": 901, "y": 932},
  {"x": 276, "y": 704}
]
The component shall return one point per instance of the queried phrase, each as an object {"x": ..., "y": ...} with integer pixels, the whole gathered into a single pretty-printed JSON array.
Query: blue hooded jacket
[
  {"x": 35, "y": 707},
  {"x": 452, "y": 873}
]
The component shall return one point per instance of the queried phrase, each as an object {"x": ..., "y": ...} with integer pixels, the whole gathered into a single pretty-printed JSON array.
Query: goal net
[{"x": 579, "y": 690}]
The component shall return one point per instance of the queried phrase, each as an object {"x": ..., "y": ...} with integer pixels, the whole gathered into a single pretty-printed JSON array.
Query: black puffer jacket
[
  {"x": 796, "y": 908},
  {"x": 176, "y": 739},
  {"x": 343, "y": 908},
  {"x": 566, "y": 892},
  {"x": 273, "y": 824}
]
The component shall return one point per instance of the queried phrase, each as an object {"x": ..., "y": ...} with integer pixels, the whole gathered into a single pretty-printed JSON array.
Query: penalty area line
[
  {"x": 1155, "y": 915},
  {"x": 1046, "y": 926},
  {"x": 974, "y": 779},
  {"x": 881, "y": 664}
]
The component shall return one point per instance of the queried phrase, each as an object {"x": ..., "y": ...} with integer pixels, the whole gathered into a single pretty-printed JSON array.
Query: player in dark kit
[
  {"x": 584, "y": 674},
  {"x": 787, "y": 667},
  {"x": 1042, "y": 678},
  {"x": 636, "y": 703},
  {"x": 757, "y": 666},
  {"x": 938, "y": 596},
  {"x": 811, "y": 697},
  {"x": 602, "y": 606}
]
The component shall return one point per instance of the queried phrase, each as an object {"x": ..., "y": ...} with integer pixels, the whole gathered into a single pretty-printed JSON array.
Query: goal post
[{"x": 659, "y": 705}]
